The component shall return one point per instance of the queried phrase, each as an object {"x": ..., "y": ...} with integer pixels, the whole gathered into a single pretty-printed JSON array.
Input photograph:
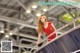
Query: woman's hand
[
  {"x": 39, "y": 37},
  {"x": 37, "y": 43}
]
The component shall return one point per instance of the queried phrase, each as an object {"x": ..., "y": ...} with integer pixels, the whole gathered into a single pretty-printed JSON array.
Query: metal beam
[
  {"x": 16, "y": 21},
  {"x": 15, "y": 30},
  {"x": 32, "y": 41},
  {"x": 26, "y": 35},
  {"x": 20, "y": 22},
  {"x": 8, "y": 8},
  {"x": 22, "y": 5},
  {"x": 67, "y": 11},
  {"x": 52, "y": 7},
  {"x": 24, "y": 46},
  {"x": 61, "y": 21},
  {"x": 25, "y": 7}
]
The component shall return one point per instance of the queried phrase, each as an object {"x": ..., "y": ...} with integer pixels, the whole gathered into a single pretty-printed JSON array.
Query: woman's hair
[{"x": 40, "y": 24}]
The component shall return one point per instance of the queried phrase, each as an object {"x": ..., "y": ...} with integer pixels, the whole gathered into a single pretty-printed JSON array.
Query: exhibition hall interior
[{"x": 19, "y": 26}]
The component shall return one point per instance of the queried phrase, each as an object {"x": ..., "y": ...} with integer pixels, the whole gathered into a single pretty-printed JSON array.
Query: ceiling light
[
  {"x": 7, "y": 36},
  {"x": 10, "y": 33},
  {"x": 38, "y": 14},
  {"x": 34, "y": 6},
  {"x": 2, "y": 31},
  {"x": 45, "y": 9},
  {"x": 28, "y": 11}
]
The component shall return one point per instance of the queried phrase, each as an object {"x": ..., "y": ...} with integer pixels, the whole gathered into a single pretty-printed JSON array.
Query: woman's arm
[
  {"x": 39, "y": 37},
  {"x": 54, "y": 28}
]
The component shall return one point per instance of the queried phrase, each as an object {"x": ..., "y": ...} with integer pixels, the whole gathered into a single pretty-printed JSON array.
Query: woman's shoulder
[{"x": 49, "y": 22}]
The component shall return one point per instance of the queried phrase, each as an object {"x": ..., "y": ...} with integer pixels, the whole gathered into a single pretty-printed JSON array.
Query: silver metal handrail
[
  {"x": 58, "y": 37},
  {"x": 24, "y": 40}
]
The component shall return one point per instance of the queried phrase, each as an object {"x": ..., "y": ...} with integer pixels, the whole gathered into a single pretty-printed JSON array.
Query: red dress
[{"x": 50, "y": 30}]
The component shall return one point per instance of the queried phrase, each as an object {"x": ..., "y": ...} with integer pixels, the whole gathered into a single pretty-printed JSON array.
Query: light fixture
[
  {"x": 7, "y": 36},
  {"x": 10, "y": 33},
  {"x": 38, "y": 14},
  {"x": 28, "y": 11},
  {"x": 44, "y": 9},
  {"x": 34, "y": 6},
  {"x": 2, "y": 31}
]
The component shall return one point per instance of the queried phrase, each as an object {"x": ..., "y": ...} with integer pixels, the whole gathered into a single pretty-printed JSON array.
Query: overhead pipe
[{"x": 1, "y": 25}]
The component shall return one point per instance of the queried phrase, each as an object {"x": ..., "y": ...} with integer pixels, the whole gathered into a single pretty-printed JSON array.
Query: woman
[{"x": 47, "y": 27}]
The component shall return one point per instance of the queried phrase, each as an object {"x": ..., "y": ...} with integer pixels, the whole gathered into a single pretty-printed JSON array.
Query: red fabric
[{"x": 50, "y": 30}]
